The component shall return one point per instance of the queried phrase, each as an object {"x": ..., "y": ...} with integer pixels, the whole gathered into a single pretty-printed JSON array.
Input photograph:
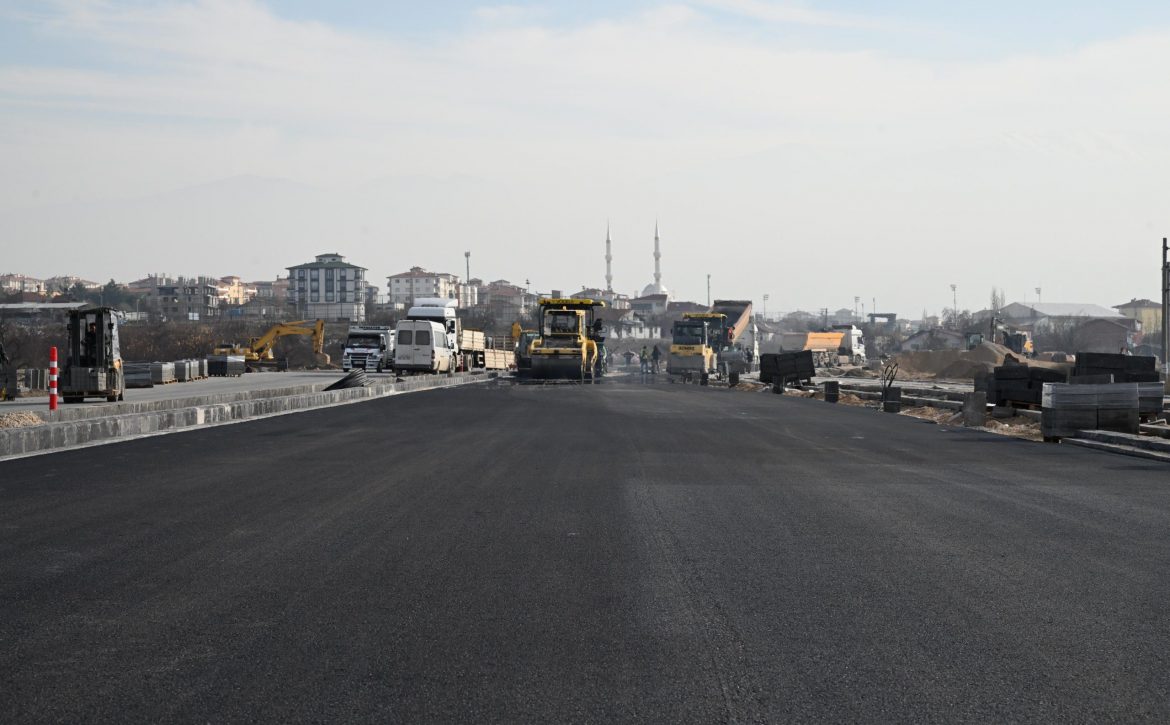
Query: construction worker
[
  {"x": 644, "y": 358},
  {"x": 655, "y": 355}
]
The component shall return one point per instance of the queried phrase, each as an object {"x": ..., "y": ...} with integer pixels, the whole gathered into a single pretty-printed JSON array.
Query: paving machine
[
  {"x": 736, "y": 346},
  {"x": 569, "y": 343},
  {"x": 93, "y": 365},
  {"x": 693, "y": 346}
]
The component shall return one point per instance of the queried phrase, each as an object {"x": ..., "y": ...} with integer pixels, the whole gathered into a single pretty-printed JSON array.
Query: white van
[{"x": 422, "y": 346}]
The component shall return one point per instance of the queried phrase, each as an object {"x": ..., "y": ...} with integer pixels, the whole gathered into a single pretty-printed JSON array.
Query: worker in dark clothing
[{"x": 655, "y": 354}]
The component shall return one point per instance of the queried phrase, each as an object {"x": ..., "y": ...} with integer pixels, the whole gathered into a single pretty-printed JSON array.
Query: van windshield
[{"x": 405, "y": 337}]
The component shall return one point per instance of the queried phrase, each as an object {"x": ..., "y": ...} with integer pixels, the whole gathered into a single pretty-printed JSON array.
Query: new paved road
[{"x": 560, "y": 553}]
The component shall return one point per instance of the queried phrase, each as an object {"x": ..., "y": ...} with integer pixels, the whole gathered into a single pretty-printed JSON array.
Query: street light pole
[
  {"x": 708, "y": 291},
  {"x": 467, "y": 281},
  {"x": 764, "y": 314},
  {"x": 1165, "y": 310}
]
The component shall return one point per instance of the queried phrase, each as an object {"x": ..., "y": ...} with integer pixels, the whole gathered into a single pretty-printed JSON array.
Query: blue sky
[{"x": 1009, "y": 128}]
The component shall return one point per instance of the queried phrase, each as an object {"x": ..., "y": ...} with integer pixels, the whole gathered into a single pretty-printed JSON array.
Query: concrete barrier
[{"x": 159, "y": 417}]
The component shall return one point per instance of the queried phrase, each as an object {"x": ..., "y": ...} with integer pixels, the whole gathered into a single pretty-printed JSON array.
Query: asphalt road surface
[{"x": 560, "y": 553}]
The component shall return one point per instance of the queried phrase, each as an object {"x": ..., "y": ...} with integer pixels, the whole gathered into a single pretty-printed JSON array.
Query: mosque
[{"x": 654, "y": 288}]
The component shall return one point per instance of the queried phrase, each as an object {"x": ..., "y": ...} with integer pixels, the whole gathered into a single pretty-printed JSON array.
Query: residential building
[
  {"x": 274, "y": 292},
  {"x": 328, "y": 288},
  {"x": 64, "y": 283},
  {"x": 403, "y": 288},
  {"x": 653, "y": 304},
  {"x": 1146, "y": 312},
  {"x": 1102, "y": 335},
  {"x": 234, "y": 291},
  {"x": 194, "y": 300},
  {"x": 21, "y": 283}
]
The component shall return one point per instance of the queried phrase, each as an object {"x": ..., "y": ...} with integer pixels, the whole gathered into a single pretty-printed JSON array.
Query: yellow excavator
[
  {"x": 569, "y": 342},
  {"x": 258, "y": 352}
]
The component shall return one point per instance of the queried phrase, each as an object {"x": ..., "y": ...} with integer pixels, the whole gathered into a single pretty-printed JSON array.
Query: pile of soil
[
  {"x": 965, "y": 370},
  {"x": 19, "y": 419},
  {"x": 935, "y": 362}
]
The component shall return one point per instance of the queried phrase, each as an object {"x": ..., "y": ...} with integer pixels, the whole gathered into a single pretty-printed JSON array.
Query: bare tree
[{"x": 997, "y": 299}]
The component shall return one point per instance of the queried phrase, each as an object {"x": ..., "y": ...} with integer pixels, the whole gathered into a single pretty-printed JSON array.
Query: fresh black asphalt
[{"x": 619, "y": 552}]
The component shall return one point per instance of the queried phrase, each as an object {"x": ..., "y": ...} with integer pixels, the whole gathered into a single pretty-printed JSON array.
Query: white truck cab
[
  {"x": 368, "y": 348},
  {"x": 422, "y": 346}
]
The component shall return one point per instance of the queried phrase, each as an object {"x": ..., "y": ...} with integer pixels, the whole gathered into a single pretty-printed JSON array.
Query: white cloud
[
  {"x": 792, "y": 13},
  {"x": 664, "y": 111}
]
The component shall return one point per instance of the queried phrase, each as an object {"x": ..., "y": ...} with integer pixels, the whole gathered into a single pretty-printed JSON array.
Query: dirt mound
[
  {"x": 965, "y": 370},
  {"x": 954, "y": 364},
  {"x": 20, "y": 419}
]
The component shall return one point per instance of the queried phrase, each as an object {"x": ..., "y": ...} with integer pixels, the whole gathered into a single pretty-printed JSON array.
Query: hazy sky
[{"x": 813, "y": 152}]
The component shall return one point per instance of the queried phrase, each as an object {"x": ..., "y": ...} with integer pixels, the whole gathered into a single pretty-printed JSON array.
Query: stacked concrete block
[
  {"x": 1071, "y": 408},
  {"x": 162, "y": 373},
  {"x": 137, "y": 375}
]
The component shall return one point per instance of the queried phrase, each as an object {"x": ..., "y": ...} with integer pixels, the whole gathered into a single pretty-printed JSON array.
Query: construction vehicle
[
  {"x": 1018, "y": 341},
  {"x": 423, "y": 346},
  {"x": 93, "y": 366},
  {"x": 470, "y": 347},
  {"x": 524, "y": 351},
  {"x": 851, "y": 349},
  {"x": 737, "y": 346},
  {"x": 258, "y": 353},
  {"x": 569, "y": 344},
  {"x": 842, "y": 344},
  {"x": 693, "y": 355},
  {"x": 368, "y": 348}
]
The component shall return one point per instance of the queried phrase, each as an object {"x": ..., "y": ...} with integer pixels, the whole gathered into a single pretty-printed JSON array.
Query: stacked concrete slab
[
  {"x": 162, "y": 373},
  {"x": 1019, "y": 384},
  {"x": 1070, "y": 408},
  {"x": 138, "y": 375},
  {"x": 225, "y": 365}
]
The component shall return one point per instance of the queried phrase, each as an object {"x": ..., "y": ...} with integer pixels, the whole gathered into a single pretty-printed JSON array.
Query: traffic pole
[{"x": 52, "y": 379}]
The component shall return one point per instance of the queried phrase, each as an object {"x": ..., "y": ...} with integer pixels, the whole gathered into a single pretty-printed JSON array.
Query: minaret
[
  {"x": 608, "y": 261},
  {"x": 657, "y": 257}
]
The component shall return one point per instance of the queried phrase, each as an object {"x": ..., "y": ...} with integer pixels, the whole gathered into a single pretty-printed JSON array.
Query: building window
[
  {"x": 315, "y": 297},
  {"x": 300, "y": 274}
]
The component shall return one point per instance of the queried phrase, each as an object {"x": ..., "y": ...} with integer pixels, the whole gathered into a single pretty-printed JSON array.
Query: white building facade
[
  {"x": 328, "y": 288},
  {"x": 402, "y": 289}
]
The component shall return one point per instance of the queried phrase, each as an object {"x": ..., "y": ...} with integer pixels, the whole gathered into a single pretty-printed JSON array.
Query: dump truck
[
  {"x": 737, "y": 346},
  {"x": 368, "y": 348},
  {"x": 693, "y": 352},
  {"x": 569, "y": 344},
  {"x": 841, "y": 344},
  {"x": 258, "y": 353},
  {"x": 93, "y": 366}
]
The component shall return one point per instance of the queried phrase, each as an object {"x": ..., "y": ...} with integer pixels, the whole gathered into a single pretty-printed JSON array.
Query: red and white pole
[{"x": 52, "y": 378}]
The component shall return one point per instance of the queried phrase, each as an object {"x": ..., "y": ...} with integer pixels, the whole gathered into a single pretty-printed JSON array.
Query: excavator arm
[{"x": 262, "y": 346}]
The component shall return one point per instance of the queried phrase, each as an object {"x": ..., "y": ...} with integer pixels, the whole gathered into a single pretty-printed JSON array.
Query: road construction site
[{"x": 623, "y": 551}]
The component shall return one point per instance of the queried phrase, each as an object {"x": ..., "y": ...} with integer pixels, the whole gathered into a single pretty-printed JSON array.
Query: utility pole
[
  {"x": 708, "y": 291},
  {"x": 764, "y": 313},
  {"x": 954, "y": 303},
  {"x": 1165, "y": 310},
  {"x": 467, "y": 281},
  {"x": 1038, "y": 298}
]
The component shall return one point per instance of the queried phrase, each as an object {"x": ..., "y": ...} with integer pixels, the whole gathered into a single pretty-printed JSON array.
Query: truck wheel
[
  {"x": 704, "y": 379},
  {"x": 733, "y": 379}
]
